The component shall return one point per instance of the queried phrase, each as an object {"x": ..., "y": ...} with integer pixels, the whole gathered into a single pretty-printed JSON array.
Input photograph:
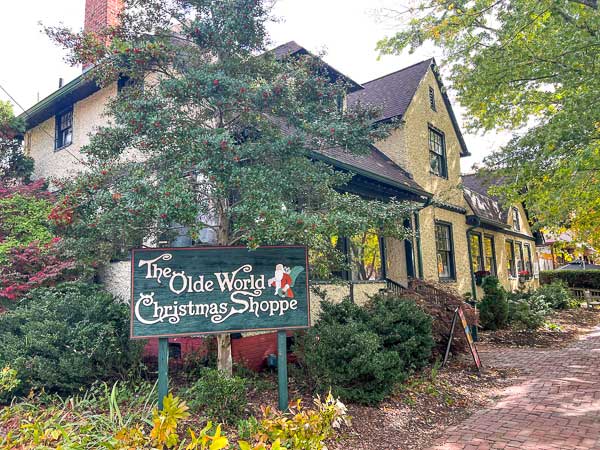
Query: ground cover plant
[{"x": 125, "y": 417}]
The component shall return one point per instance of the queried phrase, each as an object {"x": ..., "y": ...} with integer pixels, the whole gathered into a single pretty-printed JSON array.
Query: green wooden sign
[{"x": 203, "y": 290}]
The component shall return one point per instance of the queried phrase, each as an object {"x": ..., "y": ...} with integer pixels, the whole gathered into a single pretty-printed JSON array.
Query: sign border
[{"x": 208, "y": 333}]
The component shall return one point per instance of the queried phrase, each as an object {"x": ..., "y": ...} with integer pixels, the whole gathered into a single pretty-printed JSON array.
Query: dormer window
[
  {"x": 516, "y": 220},
  {"x": 432, "y": 98},
  {"x": 64, "y": 129}
]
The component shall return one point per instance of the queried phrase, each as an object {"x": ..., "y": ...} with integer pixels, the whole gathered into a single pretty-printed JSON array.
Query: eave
[{"x": 72, "y": 92}]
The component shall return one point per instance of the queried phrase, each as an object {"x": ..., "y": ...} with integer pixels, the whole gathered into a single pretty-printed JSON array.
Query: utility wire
[{"x": 41, "y": 128}]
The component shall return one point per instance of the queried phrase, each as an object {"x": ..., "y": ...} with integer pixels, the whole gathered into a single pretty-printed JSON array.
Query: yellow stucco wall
[{"x": 39, "y": 141}]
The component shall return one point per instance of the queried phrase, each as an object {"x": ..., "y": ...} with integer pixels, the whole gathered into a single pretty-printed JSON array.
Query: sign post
[
  {"x": 209, "y": 290},
  {"x": 163, "y": 370},
  {"x": 282, "y": 373}
]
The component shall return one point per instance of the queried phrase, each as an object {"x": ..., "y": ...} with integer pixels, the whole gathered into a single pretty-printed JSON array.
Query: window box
[{"x": 524, "y": 275}]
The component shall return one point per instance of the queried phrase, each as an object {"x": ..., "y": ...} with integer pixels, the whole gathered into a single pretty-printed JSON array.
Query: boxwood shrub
[{"x": 63, "y": 338}]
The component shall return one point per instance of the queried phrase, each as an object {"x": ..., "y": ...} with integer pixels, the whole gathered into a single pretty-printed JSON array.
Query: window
[
  {"x": 520, "y": 262},
  {"x": 64, "y": 129},
  {"x": 527, "y": 256},
  {"x": 359, "y": 258},
  {"x": 445, "y": 251},
  {"x": 483, "y": 256},
  {"x": 432, "y": 98},
  {"x": 476, "y": 253},
  {"x": 364, "y": 254},
  {"x": 510, "y": 258},
  {"x": 516, "y": 219},
  {"x": 489, "y": 262},
  {"x": 437, "y": 153}
]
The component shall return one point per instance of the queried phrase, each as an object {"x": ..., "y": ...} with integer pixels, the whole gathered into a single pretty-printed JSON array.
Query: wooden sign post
[{"x": 208, "y": 290}]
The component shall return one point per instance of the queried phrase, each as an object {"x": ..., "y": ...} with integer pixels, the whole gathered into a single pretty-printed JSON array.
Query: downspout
[{"x": 473, "y": 284}]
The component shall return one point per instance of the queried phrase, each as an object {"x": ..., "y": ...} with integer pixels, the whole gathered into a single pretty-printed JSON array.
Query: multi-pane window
[
  {"x": 64, "y": 129},
  {"x": 510, "y": 258},
  {"x": 432, "y": 98},
  {"x": 520, "y": 261},
  {"x": 483, "y": 257},
  {"x": 527, "y": 257},
  {"x": 445, "y": 251},
  {"x": 476, "y": 253},
  {"x": 489, "y": 262},
  {"x": 516, "y": 219},
  {"x": 437, "y": 153}
]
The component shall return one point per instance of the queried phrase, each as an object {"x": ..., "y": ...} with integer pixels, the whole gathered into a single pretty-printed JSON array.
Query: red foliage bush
[
  {"x": 32, "y": 267},
  {"x": 440, "y": 302}
]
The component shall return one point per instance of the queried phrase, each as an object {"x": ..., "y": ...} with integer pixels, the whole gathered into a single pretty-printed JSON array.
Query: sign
[
  {"x": 465, "y": 326},
  {"x": 458, "y": 313},
  {"x": 203, "y": 290}
]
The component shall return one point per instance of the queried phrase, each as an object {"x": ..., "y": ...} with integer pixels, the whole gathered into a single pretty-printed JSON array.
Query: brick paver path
[{"x": 555, "y": 406}]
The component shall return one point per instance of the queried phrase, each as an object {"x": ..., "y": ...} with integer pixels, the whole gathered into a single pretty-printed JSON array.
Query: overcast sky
[{"x": 347, "y": 30}]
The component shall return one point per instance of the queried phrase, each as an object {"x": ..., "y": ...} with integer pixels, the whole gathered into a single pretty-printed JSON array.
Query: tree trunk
[{"x": 224, "y": 358}]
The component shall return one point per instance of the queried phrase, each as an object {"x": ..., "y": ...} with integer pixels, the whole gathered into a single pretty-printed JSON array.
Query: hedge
[{"x": 586, "y": 279}]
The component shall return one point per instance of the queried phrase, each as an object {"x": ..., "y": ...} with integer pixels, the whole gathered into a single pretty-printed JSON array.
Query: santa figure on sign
[{"x": 282, "y": 282}]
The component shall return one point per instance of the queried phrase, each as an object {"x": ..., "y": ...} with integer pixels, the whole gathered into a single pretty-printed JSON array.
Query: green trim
[
  {"x": 473, "y": 284},
  {"x": 508, "y": 232},
  {"x": 449, "y": 207},
  {"x": 418, "y": 245}
]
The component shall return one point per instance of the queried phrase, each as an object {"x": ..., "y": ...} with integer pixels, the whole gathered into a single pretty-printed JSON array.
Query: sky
[{"x": 347, "y": 30}]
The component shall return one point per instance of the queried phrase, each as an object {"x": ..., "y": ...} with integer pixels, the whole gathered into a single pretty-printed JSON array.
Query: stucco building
[{"x": 461, "y": 232}]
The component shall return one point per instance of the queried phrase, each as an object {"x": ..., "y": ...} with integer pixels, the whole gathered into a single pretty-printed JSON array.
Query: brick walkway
[{"x": 555, "y": 406}]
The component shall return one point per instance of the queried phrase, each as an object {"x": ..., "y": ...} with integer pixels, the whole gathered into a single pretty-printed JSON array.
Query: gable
[{"x": 395, "y": 92}]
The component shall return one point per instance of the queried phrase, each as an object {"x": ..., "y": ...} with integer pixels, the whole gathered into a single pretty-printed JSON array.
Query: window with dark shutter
[{"x": 64, "y": 129}]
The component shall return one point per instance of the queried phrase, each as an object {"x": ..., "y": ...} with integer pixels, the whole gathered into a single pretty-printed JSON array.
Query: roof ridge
[{"x": 398, "y": 71}]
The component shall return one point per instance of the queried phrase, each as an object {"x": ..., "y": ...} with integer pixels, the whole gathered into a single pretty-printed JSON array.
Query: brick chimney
[{"x": 101, "y": 14}]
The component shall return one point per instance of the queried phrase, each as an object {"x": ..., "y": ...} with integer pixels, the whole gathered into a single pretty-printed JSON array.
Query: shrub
[
  {"x": 9, "y": 382},
  {"x": 361, "y": 353},
  {"x": 218, "y": 396},
  {"x": 493, "y": 309},
  {"x": 404, "y": 328},
  {"x": 556, "y": 295},
  {"x": 585, "y": 279},
  {"x": 62, "y": 338},
  {"x": 528, "y": 313}
]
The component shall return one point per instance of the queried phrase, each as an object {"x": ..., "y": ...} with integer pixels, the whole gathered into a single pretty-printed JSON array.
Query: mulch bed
[
  {"x": 417, "y": 414},
  {"x": 571, "y": 324}
]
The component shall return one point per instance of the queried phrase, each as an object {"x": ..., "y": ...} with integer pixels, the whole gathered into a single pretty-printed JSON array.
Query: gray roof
[
  {"x": 484, "y": 205},
  {"x": 375, "y": 164},
  {"x": 393, "y": 92},
  {"x": 292, "y": 48}
]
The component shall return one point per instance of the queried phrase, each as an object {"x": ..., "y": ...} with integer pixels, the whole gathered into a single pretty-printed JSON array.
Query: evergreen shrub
[
  {"x": 63, "y": 338},
  {"x": 493, "y": 309},
  {"x": 218, "y": 396},
  {"x": 362, "y": 353}
]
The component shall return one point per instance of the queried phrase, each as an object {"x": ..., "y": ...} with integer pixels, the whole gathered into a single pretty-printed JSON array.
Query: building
[{"x": 460, "y": 233}]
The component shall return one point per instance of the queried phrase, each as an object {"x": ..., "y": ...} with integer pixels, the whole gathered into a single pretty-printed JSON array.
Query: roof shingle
[{"x": 393, "y": 92}]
